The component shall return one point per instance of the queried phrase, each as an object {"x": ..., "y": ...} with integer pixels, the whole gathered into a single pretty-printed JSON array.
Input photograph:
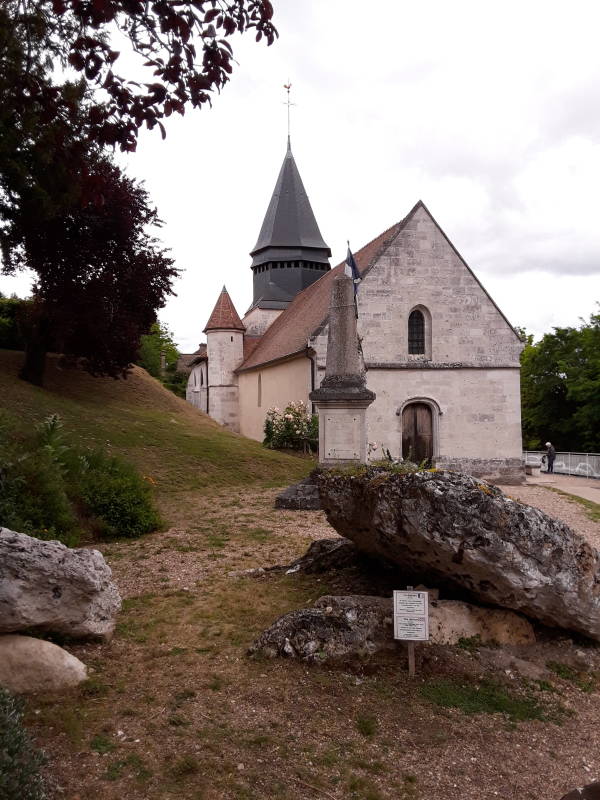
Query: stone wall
[
  {"x": 196, "y": 391},
  {"x": 279, "y": 384},
  {"x": 502, "y": 471},
  {"x": 469, "y": 375},
  {"x": 258, "y": 320},
  {"x": 225, "y": 353}
]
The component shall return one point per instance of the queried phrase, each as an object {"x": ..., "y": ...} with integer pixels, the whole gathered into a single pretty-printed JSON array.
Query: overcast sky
[{"x": 489, "y": 113}]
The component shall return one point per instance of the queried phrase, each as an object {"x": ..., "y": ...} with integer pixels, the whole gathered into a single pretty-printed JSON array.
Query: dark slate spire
[{"x": 290, "y": 253}]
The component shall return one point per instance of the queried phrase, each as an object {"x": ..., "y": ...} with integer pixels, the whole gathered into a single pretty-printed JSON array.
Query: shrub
[
  {"x": 20, "y": 761},
  {"x": 33, "y": 497},
  {"x": 117, "y": 496},
  {"x": 51, "y": 489},
  {"x": 13, "y": 312},
  {"x": 294, "y": 428}
]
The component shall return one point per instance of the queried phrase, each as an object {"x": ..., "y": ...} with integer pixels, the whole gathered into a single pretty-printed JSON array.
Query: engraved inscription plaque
[{"x": 342, "y": 436}]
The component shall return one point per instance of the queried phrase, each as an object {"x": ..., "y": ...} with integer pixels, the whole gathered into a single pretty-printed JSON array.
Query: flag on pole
[{"x": 351, "y": 270}]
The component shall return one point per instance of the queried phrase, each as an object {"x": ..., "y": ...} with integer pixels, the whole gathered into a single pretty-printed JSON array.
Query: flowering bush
[{"x": 294, "y": 428}]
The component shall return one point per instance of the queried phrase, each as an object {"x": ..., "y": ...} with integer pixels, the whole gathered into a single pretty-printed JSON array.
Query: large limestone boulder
[
  {"x": 449, "y": 529},
  {"x": 46, "y": 587},
  {"x": 34, "y": 665},
  {"x": 351, "y": 626},
  {"x": 452, "y": 620}
]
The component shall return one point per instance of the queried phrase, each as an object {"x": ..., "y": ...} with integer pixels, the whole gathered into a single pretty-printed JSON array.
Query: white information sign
[{"x": 411, "y": 616}]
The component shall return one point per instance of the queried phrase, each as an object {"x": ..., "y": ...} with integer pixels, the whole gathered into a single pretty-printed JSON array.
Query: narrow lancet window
[{"x": 416, "y": 333}]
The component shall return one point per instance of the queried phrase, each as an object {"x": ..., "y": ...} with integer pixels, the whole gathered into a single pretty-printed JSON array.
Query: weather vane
[{"x": 287, "y": 86}]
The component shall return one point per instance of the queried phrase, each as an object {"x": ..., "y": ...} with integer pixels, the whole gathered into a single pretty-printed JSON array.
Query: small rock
[
  {"x": 303, "y": 496},
  {"x": 28, "y": 664}
]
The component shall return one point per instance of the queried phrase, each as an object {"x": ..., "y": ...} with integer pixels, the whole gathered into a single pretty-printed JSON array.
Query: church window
[
  {"x": 416, "y": 332},
  {"x": 259, "y": 390},
  {"x": 201, "y": 377}
]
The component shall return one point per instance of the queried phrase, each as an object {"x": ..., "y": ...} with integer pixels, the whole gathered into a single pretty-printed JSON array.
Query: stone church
[{"x": 441, "y": 357}]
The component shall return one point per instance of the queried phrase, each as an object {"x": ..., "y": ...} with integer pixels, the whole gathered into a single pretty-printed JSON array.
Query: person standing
[{"x": 550, "y": 455}]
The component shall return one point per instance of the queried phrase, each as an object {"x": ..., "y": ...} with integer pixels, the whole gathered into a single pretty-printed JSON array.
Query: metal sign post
[{"x": 411, "y": 621}]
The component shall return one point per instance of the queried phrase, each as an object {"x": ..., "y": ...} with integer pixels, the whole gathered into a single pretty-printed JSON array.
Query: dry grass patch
[{"x": 176, "y": 711}]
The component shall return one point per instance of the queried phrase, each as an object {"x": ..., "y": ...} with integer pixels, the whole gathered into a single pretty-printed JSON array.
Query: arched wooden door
[{"x": 417, "y": 433}]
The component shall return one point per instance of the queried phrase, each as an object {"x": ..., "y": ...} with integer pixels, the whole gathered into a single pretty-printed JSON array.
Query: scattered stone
[
  {"x": 34, "y": 665},
  {"x": 358, "y": 625},
  {"x": 247, "y": 573},
  {"x": 451, "y": 530},
  {"x": 451, "y": 620},
  {"x": 589, "y": 792},
  {"x": 46, "y": 587},
  {"x": 324, "y": 555},
  {"x": 303, "y": 496}
]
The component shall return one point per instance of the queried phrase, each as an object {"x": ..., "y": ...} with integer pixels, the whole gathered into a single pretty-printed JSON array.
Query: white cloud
[{"x": 488, "y": 113}]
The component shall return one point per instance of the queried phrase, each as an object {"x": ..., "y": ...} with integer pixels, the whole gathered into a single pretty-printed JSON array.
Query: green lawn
[{"x": 171, "y": 442}]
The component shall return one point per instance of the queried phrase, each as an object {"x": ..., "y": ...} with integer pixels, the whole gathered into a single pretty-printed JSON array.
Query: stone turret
[
  {"x": 343, "y": 398},
  {"x": 225, "y": 349}
]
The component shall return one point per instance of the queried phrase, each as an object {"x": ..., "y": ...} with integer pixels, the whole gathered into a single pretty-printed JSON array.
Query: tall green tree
[
  {"x": 155, "y": 346},
  {"x": 560, "y": 389}
]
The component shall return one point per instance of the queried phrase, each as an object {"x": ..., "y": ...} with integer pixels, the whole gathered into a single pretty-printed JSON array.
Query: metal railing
[{"x": 584, "y": 465}]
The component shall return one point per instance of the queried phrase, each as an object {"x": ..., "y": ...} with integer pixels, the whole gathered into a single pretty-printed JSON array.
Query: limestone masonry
[{"x": 440, "y": 356}]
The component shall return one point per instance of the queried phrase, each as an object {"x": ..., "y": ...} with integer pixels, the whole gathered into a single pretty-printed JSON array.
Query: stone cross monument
[{"x": 342, "y": 399}]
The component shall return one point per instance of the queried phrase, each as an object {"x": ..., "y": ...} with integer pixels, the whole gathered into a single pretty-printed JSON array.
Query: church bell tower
[{"x": 290, "y": 253}]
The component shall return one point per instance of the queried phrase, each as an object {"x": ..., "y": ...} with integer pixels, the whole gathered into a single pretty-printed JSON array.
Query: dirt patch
[{"x": 175, "y": 709}]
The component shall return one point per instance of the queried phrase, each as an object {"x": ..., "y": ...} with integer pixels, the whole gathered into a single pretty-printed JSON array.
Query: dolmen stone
[
  {"x": 46, "y": 587},
  {"x": 28, "y": 664},
  {"x": 336, "y": 628},
  {"x": 449, "y": 529},
  {"x": 589, "y": 792},
  {"x": 354, "y": 626}
]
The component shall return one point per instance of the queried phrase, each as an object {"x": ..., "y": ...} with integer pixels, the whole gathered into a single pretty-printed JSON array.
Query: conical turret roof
[
  {"x": 289, "y": 229},
  {"x": 224, "y": 316}
]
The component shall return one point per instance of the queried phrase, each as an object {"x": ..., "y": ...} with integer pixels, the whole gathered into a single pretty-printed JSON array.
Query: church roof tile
[
  {"x": 224, "y": 316},
  {"x": 290, "y": 332}
]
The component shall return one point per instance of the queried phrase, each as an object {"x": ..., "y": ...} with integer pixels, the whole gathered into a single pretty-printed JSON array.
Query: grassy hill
[{"x": 178, "y": 447}]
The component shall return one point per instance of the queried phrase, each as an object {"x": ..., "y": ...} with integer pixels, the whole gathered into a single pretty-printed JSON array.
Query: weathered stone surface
[
  {"x": 452, "y": 620},
  {"x": 324, "y": 555},
  {"x": 47, "y": 587},
  {"x": 358, "y": 625},
  {"x": 336, "y": 628},
  {"x": 449, "y": 529},
  {"x": 34, "y": 665},
  {"x": 303, "y": 496},
  {"x": 589, "y": 792}
]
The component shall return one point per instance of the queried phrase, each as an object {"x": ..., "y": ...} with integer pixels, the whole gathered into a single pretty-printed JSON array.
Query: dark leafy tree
[
  {"x": 101, "y": 276},
  {"x": 182, "y": 48},
  {"x": 66, "y": 211},
  {"x": 560, "y": 389}
]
